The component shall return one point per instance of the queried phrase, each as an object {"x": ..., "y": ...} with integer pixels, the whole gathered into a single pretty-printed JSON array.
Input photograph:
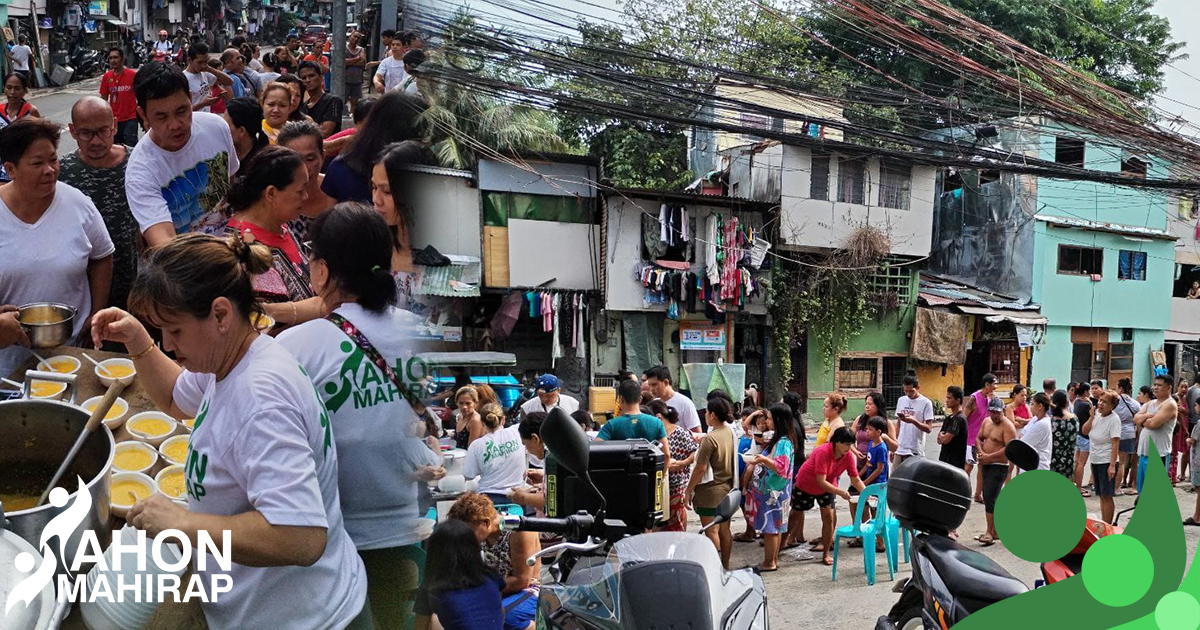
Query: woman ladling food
[{"x": 262, "y": 464}]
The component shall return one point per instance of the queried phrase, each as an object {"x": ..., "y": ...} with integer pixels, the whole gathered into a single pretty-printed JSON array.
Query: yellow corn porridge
[
  {"x": 190, "y": 422},
  {"x": 42, "y": 389},
  {"x": 176, "y": 451},
  {"x": 121, "y": 490},
  {"x": 151, "y": 426},
  {"x": 62, "y": 366},
  {"x": 172, "y": 485},
  {"x": 117, "y": 371},
  {"x": 132, "y": 459},
  {"x": 114, "y": 412}
]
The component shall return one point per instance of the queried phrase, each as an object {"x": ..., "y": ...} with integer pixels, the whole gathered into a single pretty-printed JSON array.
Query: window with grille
[
  {"x": 892, "y": 278},
  {"x": 819, "y": 182},
  {"x": 1080, "y": 261},
  {"x": 894, "y": 184},
  {"x": 857, "y": 373},
  {"x": 1120, "y": 357},
  {"x": 852, "y": 175},
  {"x": 1131, "y": 265},
  {"x": 894, "y": 369},
  {"x": 1004, "y": 361}
]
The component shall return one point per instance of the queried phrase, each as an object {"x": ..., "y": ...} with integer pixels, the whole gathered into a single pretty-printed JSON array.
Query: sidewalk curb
[{"x": 48, "y": 91}]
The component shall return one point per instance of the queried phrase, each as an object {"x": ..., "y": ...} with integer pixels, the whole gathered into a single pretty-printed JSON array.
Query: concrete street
[{"x": 801, "y": 596}]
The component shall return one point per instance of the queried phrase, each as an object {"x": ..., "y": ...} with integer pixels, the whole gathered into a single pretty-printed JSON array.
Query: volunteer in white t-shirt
[
  {"x": 1039, "y": 432},
  {"x": 261, "y": 459},
  {"x": 658, "y": 379},
  {"x": 549, "y": 396},
  {"x": 915, "y": 413},
  {"x": 53, "y": 243},
  {"x": 202, "y": 77},
  {"x": 381, "y": 456},
  {"x": 390, "y": 74},
  {"x": 1104, "y": 435},
  {"x": 498, "y": 458}
]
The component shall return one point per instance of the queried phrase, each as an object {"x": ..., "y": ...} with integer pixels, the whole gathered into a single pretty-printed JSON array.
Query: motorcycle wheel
[{"x": 911, "y": 620}]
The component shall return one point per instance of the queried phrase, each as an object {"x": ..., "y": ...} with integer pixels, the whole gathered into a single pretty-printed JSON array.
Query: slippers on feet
[
  {"x": 762, "y": 569},
  {"x": 827, "y": 561},
  {"x": 1191, "y": 522},
  {"x": 986, "y": 541},
  {"x": 743, "y": 538},
  {"x": 1085, "y": 492},
  {"x": 791, "y": 545}
]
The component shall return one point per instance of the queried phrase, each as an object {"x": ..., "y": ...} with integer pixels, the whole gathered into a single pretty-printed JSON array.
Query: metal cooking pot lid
[{"x": 21, "y": 617}]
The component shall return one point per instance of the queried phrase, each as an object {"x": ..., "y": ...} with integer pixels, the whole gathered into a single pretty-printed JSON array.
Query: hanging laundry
[
  {"x": 555, "y": 345},
  {"x": 712, "y": 237},
  {"x": 664, "y": 230},
  {"x": 547, "y": 313},
  {"x": 535, "y": 304},
  {"x": 580, "y": 347}
]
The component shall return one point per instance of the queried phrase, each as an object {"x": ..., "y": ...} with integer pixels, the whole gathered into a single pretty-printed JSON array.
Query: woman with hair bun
[
  {"x": 497, "y": 458},
  {"x": 263, "y": 467},
  {"x": 357, "y": 357}
]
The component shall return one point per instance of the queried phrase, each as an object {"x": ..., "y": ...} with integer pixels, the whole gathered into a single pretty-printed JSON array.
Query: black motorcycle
[
  {"x": 949, "y": 581},
  {"x": 85, "y": 61}
]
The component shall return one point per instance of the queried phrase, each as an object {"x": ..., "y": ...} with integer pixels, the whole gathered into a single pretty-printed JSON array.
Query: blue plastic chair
[
  {"x": 892, "y": 541},
  {"x": 867, "y": 531}
]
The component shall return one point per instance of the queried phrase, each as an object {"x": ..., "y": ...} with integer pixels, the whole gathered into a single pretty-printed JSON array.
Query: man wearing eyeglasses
[
  {"x": 117, "y": 87},
  {"x": 97, "y": 168}
]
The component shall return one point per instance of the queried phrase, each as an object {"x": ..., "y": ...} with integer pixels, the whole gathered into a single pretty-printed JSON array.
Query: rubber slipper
[
  {"x": 766, "y": 570},
  {"x": 742, "y": 538},
  {"x": 1191, "y": 522},
  {"x": 986, "y": 541},
  {"x": 978, "y": 500},
  {"x": 1131, "y": 492},
  {"x": 791, "y": 545},
  {"x": 827, "y": 562},
  {"x": 1085, "y": 492}
]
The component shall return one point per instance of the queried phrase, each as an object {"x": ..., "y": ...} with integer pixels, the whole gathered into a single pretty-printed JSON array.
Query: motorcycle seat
[{"x": 970, "y": 574}]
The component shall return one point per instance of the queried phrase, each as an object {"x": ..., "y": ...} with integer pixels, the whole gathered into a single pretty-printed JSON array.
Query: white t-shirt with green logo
[
  {"x": 262, "y": 441},
  {"x": 375, "y": 429},
  {"x": 498, "y": 459}
]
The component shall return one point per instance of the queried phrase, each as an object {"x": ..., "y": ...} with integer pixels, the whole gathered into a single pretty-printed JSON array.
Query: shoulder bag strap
[{"x": 373, "y": 355}]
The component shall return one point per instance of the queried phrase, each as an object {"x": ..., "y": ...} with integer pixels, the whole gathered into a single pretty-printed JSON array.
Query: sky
[{"x": 1181, "y": 98}]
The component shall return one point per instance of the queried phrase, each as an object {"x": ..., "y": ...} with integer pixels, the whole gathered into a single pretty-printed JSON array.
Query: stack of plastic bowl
[{"x": 104, "y": 614}]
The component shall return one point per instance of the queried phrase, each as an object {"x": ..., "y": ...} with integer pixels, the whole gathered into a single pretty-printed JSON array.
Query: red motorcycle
[{"x": 1071, "y": 564}]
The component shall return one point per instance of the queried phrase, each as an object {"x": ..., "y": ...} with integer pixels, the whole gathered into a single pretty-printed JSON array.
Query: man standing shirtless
[{"x": 994, "y": 436}]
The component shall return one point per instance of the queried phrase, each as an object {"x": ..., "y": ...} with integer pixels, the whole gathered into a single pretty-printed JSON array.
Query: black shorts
[
  {"x": 803, "y": 501},
  {"x": 993, "y": 480},
  {"x": 1104, "y": 485}
]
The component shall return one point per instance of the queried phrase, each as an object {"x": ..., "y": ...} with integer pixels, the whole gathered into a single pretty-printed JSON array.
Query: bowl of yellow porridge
[
  {"x": 127, "y": 489},
  {"x": 188, "y": 423},
  {"x": 47, "y": 390},
  {"x": 116, "y": 414},
  {"x": 170, "y": 482},
  {"x": 152, "y": 427},
  {"x": 174, "y": 449},
  {"x": 134, "y": 456},
  {"x": 115, "y": 370},
  {"x": 61, "y": 364}
]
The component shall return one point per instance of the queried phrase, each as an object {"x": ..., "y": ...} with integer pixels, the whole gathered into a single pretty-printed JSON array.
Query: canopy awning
[
  {"x": 994, "y": 315},
  {"x": 1180, "y": 335},
  {"x": 467, "y": 359},
  {"x": 111, "y": 19}
]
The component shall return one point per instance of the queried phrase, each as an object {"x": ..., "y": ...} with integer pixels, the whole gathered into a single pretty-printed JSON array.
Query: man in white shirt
[
  {"x": 163, "y": 46},
  {"x": 390, "y": 73},
  {"x": 548, "y": 397},
  {"x": 22, "y": 57},
  {"x": 915, "y": 413},
  {"x": 658, "y": 379},
  {"x": 1038, "y": 432},
  {"x": 1157, "y": 422},
  {"x": 201, "y": 78}
]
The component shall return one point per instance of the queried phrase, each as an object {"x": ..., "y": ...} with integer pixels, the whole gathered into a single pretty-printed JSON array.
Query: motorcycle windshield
[{"x": 595, "y": 590}]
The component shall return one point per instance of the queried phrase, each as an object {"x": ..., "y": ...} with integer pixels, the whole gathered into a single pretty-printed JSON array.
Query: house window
[
  {"x": 894, "y": 183},
  {"x": 851, "y": 181},
  {"x": 1133, "y": 167},
  {"x": 1068, "y": 151},
  {"x": 1131, "y": 265},
  {"x": 1004, "y": 361},
  {"x": 858, "y": 373},
  {"x": 893, "y": 278},
  {"x": 1120, "y": 357},
  {"x": 819, "y": 183},
  {"x": 1080, "y": 261}
]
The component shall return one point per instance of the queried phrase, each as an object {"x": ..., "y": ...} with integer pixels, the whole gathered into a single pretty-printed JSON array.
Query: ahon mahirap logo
[{"x": 61, "y": 527}]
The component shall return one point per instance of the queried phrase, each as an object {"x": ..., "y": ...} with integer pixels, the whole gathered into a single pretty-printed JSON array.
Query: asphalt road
[{"x": 801, "y": 595}]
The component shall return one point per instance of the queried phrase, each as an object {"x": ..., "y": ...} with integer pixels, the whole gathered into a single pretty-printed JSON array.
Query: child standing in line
[{"x": 877, "y": 456}]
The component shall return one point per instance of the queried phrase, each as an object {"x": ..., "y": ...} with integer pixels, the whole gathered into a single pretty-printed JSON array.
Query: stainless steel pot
[
  {"x": 54, "y": 323},
  {"x": 37, "y": 435}
]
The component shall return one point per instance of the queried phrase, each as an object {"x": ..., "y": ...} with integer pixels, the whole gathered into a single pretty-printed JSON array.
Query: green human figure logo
[
  {"x": 338, "y": 395},
  {"x": 1130, "y": 580}
]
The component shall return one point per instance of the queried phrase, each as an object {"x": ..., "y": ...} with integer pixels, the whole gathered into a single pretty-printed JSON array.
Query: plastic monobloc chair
[
  {"x": 866, "y": 531},
  {"x": 894, "y": 533}
]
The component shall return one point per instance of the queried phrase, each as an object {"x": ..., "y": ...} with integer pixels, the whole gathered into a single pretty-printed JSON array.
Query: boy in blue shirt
[{"x": 877, "y": 454}]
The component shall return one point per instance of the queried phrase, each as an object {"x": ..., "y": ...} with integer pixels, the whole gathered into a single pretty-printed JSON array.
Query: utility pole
[{"x": 337, "y": 57}]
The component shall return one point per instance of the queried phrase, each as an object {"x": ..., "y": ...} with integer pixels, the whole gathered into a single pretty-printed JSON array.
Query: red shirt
[
  {"x": 219, "y": 106},
  {"x": 282, "y": 242},
  {"x": 821, "y": 462},
  {"x": 118, "y": 90}
]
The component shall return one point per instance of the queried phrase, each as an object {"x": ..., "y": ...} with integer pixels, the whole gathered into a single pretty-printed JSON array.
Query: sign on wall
[{"x": 696, "y": 336}]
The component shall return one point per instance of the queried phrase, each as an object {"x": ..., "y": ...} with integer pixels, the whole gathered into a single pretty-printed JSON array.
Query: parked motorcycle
[
  {"x": 949, "y": 581},
  {"x": 1071, "y": 564},
  {"x": 86, "y": 62},
  {"x": 602, "y": 578}
]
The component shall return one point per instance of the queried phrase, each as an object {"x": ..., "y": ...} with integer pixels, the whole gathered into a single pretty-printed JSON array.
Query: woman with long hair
[
  {"x": 713, "y": 475},
  {"x": 468, "y": 425},
  {"x": 1065, "y": 428},
  {"x": 683, "y": 453},
  {"x": 461, "y": 589},
  {"x": 393, "y": 118},
  {"x": 770, "y": 488},
  {"x": 387, "y": 184},
  {"x": 269, "y": 477},
  {"x": 245, "y": 119}
]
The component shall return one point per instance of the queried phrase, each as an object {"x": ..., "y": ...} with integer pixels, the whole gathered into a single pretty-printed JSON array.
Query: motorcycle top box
[
  {"x": 628, "y": 473},
  {"x": 928, "y": 495}
]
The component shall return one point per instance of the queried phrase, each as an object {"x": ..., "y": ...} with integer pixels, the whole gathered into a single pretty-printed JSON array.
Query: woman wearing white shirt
[
  {"x": 54, "y": 243},
  {"x": 382, "y": 457},
  {"x": 261, "y": 462},
  {"x": 498, "y": 458},
  {"x": 1038, "y": 432}
]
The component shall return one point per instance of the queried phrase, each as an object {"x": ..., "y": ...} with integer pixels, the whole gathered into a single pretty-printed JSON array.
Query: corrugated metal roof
[
  {"x": 1114, "y": 228},
  {"x": 937, "y": 291},
  {"x": 437, "y": 170},
  {"x": 448, "y": 281}
]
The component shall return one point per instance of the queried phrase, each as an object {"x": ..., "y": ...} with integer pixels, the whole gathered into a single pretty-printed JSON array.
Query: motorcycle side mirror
[
  {"x": 1022, "y": 455},
  {"x": 567, "y": 442},
  {"x": 726, "y": 508}
]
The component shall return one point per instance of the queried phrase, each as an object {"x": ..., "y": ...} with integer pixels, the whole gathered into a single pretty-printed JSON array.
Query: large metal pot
[
  {"x": 37, "y": 435},
  {"x": 48, "y": 325}
]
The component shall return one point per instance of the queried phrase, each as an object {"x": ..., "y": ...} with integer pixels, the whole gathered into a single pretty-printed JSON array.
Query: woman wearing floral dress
[
  {"x": 1066, "y": 428},
  {"x": 770, "y": 488},
  {"x": 683, "y": 452}
]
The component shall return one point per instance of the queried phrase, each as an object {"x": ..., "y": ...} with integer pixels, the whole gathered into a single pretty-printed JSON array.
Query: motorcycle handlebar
[{"x": 571, "y": 526}]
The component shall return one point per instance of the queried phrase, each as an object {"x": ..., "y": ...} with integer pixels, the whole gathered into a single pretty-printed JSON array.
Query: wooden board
[{"x": 495, "y": 256}]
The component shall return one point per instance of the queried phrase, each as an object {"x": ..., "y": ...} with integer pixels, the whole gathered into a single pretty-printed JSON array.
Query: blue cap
[{"x": 547, "y": 383}]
